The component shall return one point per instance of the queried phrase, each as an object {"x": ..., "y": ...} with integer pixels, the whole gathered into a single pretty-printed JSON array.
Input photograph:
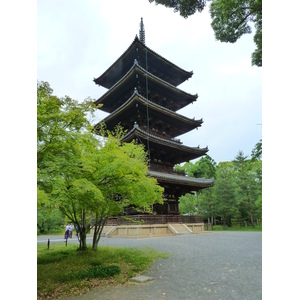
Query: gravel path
[{"x": 219, "y": 265}]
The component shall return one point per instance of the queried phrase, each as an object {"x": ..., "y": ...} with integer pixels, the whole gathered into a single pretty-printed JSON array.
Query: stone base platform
[{"x": 154, "y": 230}]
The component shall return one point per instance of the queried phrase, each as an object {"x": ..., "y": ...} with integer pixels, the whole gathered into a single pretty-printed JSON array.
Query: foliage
[
  {"x": 224, "y": 192},
  {"x": 121, "y": 175},
  {"x": 205, "y": 167},
  {"x": 185, "y": 8},
  {"x": 49, "y": 219},
  {"x": 188, "y": 204},
  {"x": 230, "y": 19},
  {"x": 89, "y": 179},
  {"x": 63, "y": 137},
  {"x": 235, "y": 198},
  {"x": 256, "y": 153},
  {"x": 248, "y": 185},
  {"x": 62, "y": 272}
]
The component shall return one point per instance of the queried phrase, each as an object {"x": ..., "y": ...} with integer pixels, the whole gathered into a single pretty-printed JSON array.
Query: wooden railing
[{"x": 154, "y": 219}]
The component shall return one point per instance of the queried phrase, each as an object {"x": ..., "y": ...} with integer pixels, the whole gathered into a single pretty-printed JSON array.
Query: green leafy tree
[
  {"x": 256, "y": 153},
  {"x": 248, "y": 183},
  {"x": 121, "y": 175},
  {"x": 63, "y": 138},
  {"x": 230, "y": 19},
  {"x": 49, "y": 218},
  {"x": 88, "y": 178},
  {"x": 224, "y": 192},
  {"x": 188, "y": 204},
  {"x": 186, "y": 8},
  {"x": 205, "y": 167}
]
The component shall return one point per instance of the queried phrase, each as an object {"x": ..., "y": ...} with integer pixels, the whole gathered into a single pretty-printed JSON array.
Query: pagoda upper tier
[
  {"x": 162, "y": 121},
  {"x": 157, "y": 90},
  {"x": 159, "y": 66}
]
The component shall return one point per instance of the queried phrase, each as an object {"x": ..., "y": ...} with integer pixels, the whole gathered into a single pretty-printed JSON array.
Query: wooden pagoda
[{"x": 143, "y": 98}]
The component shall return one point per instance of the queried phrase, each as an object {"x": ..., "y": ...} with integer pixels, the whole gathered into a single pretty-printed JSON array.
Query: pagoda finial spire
[{"x": 142, "y": 32}]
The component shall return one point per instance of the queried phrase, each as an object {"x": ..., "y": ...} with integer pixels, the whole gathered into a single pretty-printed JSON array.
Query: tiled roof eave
[
  {"x": 153, "y": 77},
  {"x": 165, "y": 82},
  {"x": 155, "y": 106},
  {"x": 137, "y": 130},
  {"x": 200, "y": 182},
  {"x": 188, "y": 74}
]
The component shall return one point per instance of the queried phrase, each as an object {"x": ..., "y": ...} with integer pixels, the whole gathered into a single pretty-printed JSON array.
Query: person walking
[
  {"x": 67, "y": 231},
  {"x": 71, "y": 230}
]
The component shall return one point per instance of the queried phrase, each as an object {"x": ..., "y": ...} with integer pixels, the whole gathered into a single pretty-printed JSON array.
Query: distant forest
[{"x": 236, "y": 197}]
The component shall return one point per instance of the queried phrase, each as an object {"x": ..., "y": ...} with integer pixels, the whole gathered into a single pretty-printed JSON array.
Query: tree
[
  {"x": 63, "y": 139},
  {"x": 256, "y": 153},
  {"x": 188, "y": 204},
  {"x": 186, "y": 8},
  {"x": 88, "y": 178},
  {"x": 205, "y": 167},
  {"x": 121, "y": 176},
  {"x": 248, "y": 184},
  {"x": 224, "y": 192},
  {"x": 229, "y": 19}
]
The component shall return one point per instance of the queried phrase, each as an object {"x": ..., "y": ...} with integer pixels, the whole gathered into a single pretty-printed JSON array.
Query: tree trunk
[
  {"x": 82, "y": 243},
  {"x": 95, "y": 243},
  {"x": 82, "y": 232},
  {"x": 99, "y": 225}
]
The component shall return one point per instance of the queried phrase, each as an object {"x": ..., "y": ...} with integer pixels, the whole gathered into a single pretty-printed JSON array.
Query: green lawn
[
  {"x": 236, "y": 228},
  {"x": 65, "y": 271}
]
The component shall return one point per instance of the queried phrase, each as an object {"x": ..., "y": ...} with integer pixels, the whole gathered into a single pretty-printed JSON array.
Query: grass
[
  {"x": 236, "y": 228},
  {"x": 58, "y": 231},
  {"x": 64, "y": 272}
]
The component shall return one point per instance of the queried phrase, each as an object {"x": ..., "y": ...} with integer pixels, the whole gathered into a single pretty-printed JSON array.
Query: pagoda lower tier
[
  {"x": 164, "y": 154},
  {"x": 176, "y": 185}
]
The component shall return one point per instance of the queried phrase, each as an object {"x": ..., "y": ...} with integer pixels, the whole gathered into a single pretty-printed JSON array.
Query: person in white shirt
[{"x": 71, "y": 230}]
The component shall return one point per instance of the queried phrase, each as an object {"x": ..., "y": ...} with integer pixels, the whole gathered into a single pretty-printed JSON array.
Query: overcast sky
[{"x": 78, "y": 40}]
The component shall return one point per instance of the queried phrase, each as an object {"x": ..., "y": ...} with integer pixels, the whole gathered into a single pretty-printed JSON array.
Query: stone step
[{"x": 179, "y": 228}]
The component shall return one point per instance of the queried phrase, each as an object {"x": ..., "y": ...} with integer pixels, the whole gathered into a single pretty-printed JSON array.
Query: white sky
[
  {"x": 78, "y": 40},
  {"x": 71, "y": 42}
]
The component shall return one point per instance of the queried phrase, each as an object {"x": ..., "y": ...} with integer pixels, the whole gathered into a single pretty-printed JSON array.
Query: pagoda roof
[
  {"x": 192, "y": 183},
  {"x": 157, "y": 65},
  {"x": 173, "y": 97},
  {"x": 127, "y": 112},
  {"x": 172, "y": 150}
]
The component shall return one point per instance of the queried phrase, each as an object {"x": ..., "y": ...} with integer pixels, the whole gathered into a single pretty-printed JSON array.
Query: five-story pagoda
[{"x": 143, "y": 98}]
